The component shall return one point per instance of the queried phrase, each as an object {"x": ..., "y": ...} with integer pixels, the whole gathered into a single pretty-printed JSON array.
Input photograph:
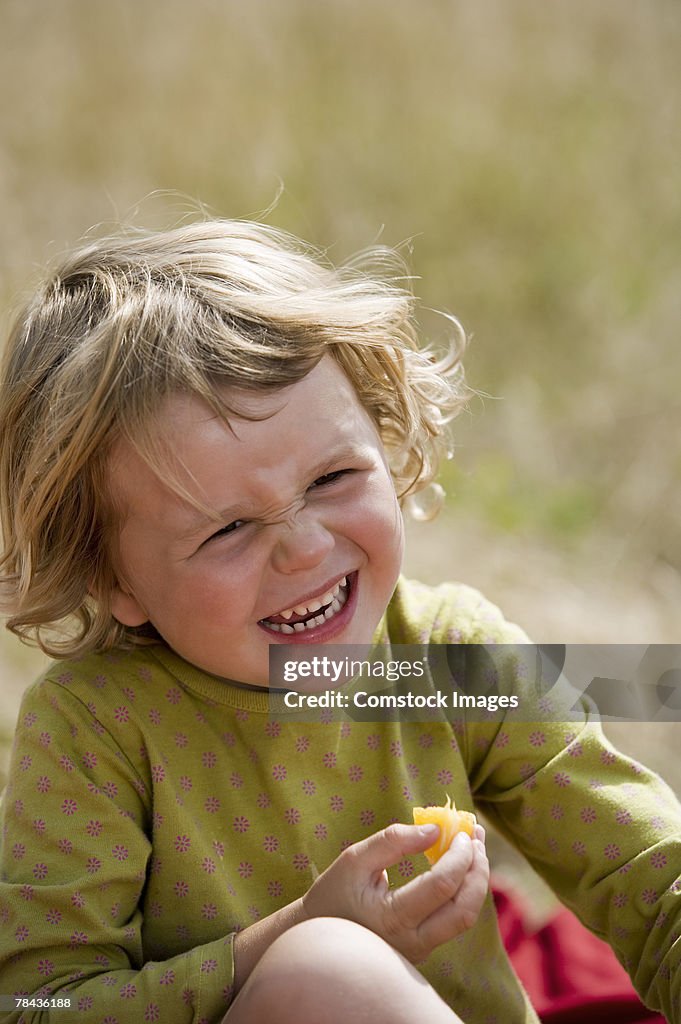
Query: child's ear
[{"x": 125, "y": 607}]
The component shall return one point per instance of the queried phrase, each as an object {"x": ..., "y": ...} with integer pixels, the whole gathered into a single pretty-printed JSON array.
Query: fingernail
[
  {"x": 462, "y": 838},
  {"x": 428, "y": 830}
]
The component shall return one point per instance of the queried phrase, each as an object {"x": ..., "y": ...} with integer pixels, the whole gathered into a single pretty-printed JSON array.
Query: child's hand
[{"x": 418, "y": 916}]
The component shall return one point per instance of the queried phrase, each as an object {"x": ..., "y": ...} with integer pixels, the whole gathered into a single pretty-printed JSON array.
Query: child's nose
[{"x": 302, "y": 544}]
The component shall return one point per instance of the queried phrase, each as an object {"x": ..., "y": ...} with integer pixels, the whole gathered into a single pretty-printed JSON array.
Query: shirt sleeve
[
  {"x": 602, "y": 830},
  {"x": 75, "y": 847}
]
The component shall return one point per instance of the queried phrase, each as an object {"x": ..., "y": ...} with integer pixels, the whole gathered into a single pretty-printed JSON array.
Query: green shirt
[{"x": 153, "y": 810}]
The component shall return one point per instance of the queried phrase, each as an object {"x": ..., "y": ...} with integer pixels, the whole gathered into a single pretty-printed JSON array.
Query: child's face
[{"x": 307, "y": 502}]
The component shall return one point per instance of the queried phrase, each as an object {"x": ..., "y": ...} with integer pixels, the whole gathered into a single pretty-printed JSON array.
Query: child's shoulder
[
  {"x": 451, "y": 613},
  {"x": 97, "y": 675}
]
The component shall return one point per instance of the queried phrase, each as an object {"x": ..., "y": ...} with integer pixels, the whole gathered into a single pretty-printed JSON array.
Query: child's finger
[
  {"x": 385, "y": 848},
  {"x": 462, "y": 912},
  {"x": 414, "y": 902}
]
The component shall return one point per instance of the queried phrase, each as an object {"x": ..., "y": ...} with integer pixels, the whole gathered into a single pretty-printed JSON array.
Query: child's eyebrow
[{"x": 200, "y": 519}]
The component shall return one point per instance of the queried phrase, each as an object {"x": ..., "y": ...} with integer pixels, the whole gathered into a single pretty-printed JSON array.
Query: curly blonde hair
[{"x": 126, "y": 321}]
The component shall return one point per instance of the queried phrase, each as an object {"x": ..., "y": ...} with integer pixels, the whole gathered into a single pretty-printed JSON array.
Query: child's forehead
[
  {"x": 325, "y": 387},
  {"x": 318, "y": 416}
]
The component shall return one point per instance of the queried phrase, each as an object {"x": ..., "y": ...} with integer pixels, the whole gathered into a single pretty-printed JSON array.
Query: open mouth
[{"x": 316, "y": 612}]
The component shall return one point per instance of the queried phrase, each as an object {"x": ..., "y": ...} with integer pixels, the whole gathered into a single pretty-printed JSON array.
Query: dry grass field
[{"x": 524, "y": 155}]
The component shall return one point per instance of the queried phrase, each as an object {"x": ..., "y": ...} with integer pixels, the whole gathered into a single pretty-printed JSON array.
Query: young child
[{"x": 205, "y": 438}]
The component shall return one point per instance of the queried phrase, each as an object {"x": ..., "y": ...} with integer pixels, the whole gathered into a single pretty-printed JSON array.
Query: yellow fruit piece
[{"x": 450, "y": 821}]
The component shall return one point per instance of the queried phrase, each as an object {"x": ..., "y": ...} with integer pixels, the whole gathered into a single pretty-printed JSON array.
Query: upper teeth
[
  {"x": 315, "y": 604},
  {"x": 335, "y": 599}
]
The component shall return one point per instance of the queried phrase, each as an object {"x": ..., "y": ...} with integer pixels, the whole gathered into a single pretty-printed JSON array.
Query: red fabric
[{"x": 570, "y": 976}]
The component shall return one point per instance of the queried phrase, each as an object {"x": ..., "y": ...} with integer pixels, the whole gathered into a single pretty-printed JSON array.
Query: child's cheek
[{"x": 384, "y": 527}]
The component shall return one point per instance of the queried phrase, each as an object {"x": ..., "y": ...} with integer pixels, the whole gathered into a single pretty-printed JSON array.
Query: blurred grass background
[{"x": 526, "y": 153}]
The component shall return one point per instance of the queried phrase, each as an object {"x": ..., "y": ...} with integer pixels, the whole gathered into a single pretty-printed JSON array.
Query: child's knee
[
  {"x": 328, "y": 971},
  {"x": 326, "y": 947},
  {"x": 316, "y": 965}
]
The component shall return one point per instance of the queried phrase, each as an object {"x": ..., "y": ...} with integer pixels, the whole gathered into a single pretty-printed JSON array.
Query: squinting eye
[
  {"x": 329, "y": 478},
  {"x": 230, "y": 528}
]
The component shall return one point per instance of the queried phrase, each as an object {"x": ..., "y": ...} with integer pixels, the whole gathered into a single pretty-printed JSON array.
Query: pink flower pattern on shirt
[{"x": 212, "y": 817}]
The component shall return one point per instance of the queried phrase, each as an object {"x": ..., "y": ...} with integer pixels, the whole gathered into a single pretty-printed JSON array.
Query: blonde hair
[{"x": 124, "y": 322}]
